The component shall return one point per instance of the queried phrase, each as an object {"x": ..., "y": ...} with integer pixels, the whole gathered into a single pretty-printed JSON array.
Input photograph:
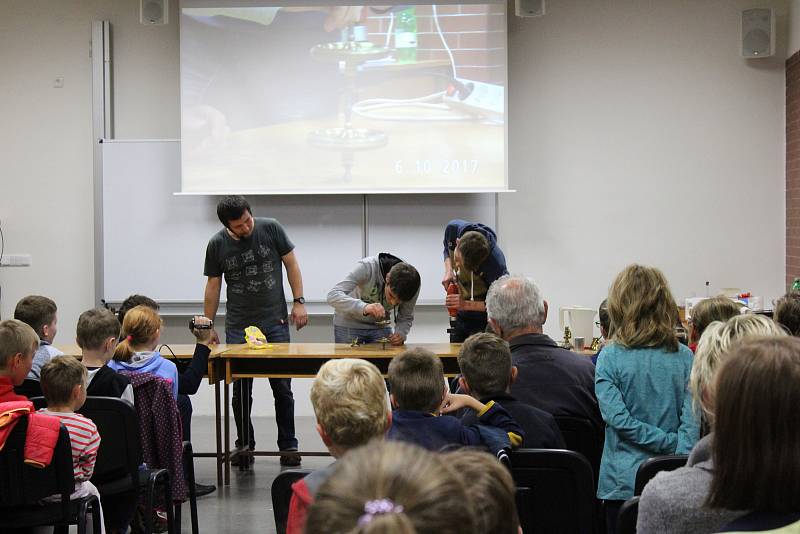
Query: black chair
[
  {"x": 555, "y": 490},
  {"x": 282, "y": 494},
  {"x": 29, "y": 388},
  {"x": 581, "y": 436},
  {"x": 22, "y": 487},
  {"x": 188, "y": 472},
  {"x": 116, "y": 470},
  {"x": 626, "y": 518},
  {"x": 648, "y": 469}
]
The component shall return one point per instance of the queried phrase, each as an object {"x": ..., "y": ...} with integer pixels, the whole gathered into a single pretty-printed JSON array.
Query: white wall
[
  {"x": 794, "y": 27},
  {"x": 637, "y": 134}
]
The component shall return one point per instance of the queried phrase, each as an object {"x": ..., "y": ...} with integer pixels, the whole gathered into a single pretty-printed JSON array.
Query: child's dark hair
[
  {"x": 95, "y": 327},
  {"x": 37, "y": 311},
  {"x": 416, "y": 378},
  {"x": 231, "y": 208},
  {"x": 131, "y": 302},
  {"x": 404, "y": 281},
  {"x": 602, "y": 315},
  {"x": 474, "y": 248},
  {"x": 485, "y": 362},
  {"x": 787, "y": 312},
  {"x": 59, "y": 377}
]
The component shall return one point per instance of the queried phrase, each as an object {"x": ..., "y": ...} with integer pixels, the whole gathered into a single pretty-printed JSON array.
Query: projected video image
[{"x": 325, "y": 99}]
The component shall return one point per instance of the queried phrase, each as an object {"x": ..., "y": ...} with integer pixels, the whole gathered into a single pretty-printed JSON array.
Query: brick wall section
[
  {"x": 479, "y": 54},
  {"x": 792, "y": 168}
]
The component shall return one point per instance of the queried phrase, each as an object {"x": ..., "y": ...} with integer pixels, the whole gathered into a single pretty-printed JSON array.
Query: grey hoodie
[{"x": 365, "y": 285}]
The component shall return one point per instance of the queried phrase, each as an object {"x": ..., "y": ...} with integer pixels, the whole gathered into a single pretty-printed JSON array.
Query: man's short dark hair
[
  {"x": 485, "y": 362},
  {"x": 37, "y": 311},
  {"x": 474, "y": 248},
  {"x": 602, "y": 314},
  {"x": 231, "y": 208},
  {"x": 787, "y": 312},
  {"x": 416, "y": 378},
  {"x": 404, "y": 281},
  {"x": 95, "y": 327},
  {"x": 135, "y": 300}
]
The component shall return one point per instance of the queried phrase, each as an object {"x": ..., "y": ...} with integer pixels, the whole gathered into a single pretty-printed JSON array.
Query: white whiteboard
[{"x": 154, "y": 241}]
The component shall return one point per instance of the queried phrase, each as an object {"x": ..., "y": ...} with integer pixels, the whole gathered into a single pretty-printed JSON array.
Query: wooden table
[{"x": 303, "y": 360}]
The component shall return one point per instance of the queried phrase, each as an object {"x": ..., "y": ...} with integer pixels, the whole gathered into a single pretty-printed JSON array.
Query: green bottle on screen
[
  {"x": 796, "y": 285},
  {"x": 405, "y": 35}
]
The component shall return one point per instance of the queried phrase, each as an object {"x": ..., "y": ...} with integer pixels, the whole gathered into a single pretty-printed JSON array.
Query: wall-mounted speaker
[
  {"x": 153, "y": 12},
  {"x": 529, "y": 8},
  {"x": 758, "y": 33}
]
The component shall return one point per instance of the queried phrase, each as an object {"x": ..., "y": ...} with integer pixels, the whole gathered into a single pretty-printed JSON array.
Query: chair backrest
[
  {"x": 581, "y": 436},
  {"x": 22, "y": 484},
  {"x": 555, "y": 490},
  {"x": 282, "y": 494},
  {"x": 651, "y": 466},
  {"x": 120, "y": 451},
  {"x": 626, "y": 518}
]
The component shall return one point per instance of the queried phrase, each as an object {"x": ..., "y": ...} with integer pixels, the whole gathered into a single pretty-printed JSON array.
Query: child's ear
[
  {"x": 324, "y": 435},
  {"x": 388, "y": 422},
  {"x": 462, "y": 382},
  {"x": 76, "y": 390},
  {"x": 514, "y": 372},
  {"x": 394, "y": 402}
]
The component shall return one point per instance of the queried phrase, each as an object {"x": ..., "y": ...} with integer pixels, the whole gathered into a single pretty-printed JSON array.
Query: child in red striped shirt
[{"x": 64, "y": 382}]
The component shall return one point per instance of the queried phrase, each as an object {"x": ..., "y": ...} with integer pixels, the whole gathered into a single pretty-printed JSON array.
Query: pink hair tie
[
  {"x": 129, "y": 339},
  {"x": 378, "y": 507}
]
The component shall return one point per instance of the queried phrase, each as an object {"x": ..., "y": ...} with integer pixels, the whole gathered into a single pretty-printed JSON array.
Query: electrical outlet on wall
[{"x": 15, "y": 260}]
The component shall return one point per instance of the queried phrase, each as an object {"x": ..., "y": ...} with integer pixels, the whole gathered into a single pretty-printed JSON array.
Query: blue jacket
[
  {"x": 647, "y": 408},
  {"x": 434, "y": 432},
  {"x": 150, "y": 362}
]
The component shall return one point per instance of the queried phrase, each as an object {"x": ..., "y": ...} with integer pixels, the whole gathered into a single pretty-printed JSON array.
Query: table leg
[
  {"x": 227, "y": 434},
  {"x": 218, "y": 429}
]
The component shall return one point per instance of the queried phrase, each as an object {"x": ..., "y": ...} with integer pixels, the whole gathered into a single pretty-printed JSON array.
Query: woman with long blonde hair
[{"x": 640, "y": 382}]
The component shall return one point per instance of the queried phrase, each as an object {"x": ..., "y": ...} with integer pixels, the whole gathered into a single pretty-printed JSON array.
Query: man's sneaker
[
  {"x": 238, "y": 459},
  {"x": 292, "y": 459},
  {"x": 203, "y": 489}
]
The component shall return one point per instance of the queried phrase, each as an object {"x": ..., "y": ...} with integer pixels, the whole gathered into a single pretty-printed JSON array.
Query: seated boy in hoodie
[
  {"x": 364, "y": 299},
  {"x": 349, "y": 400},
  {"x": 419, "y": 394},
  {"x": 18, "y": 343},
  {"x": 97, "y": 334},
  {"x": 41, "y": 314},
  {"x": 487, "y": 375}
]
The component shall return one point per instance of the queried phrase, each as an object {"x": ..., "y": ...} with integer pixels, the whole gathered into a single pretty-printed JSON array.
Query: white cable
[
  {"x": 389, "y": 31},
  {"x": 444, "y": 42}
]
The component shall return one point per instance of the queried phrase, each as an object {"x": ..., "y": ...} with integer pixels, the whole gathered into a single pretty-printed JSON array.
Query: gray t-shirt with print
[{"x": 253, "y": 272}]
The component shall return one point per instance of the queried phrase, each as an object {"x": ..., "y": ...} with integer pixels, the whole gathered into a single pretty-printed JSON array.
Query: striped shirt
[{"x": 85, "y": 441}]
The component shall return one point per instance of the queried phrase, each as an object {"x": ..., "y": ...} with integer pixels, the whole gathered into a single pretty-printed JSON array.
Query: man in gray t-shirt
[{"x": 251, "y": 253}]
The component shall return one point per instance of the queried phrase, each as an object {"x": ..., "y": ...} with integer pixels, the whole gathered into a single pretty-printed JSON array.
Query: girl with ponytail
[{"x": 141, "y": 334}]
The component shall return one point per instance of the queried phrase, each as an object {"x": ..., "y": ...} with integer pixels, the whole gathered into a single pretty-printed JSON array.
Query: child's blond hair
[
  {"x": 349, "y": 400},
  {"x": 16, "y": 337},
  {"x": 59, "y": 377}
]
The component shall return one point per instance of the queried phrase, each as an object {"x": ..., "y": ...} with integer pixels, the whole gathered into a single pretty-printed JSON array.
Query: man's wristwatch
[{"x": 300, "y": 300}]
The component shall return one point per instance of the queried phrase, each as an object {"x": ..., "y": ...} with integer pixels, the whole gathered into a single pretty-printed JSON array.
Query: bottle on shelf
[{"x": 405, "y": 35}]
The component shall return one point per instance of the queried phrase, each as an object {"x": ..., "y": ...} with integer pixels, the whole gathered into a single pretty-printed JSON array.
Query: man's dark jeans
[{"x": 281, "y": 391}]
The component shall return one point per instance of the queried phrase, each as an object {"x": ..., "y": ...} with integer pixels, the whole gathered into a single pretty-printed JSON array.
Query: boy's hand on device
[
  {"x": 454, "y": 301},
  {"x": 375, "y": 310},
  {"x": 397, "y": 339},
  {"x": 455, "y": 401},
  {"x": 448, "y": 277},
  {"x": 203, "y": 330}
]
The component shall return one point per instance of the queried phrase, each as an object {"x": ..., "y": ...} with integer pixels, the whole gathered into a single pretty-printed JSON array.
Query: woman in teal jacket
[{"x": 641, "y": 384}]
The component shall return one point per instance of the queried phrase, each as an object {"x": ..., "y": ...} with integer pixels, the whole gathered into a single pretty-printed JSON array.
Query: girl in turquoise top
[{"x": 641, "y": 384}]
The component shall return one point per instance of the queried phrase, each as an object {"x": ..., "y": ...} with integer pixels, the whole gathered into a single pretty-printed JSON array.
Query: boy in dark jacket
[
  {"x": 419, "y": 394},
  {"x": 97, "y": 333},
  {"x": 487, "y": 375}
]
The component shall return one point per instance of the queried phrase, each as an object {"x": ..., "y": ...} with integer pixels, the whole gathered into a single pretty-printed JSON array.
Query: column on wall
[{"x": 792, "y": 168}]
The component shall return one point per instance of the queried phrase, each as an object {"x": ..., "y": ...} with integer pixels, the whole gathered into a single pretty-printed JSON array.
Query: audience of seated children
[
  {"x": 673, "y": 502},
  {"x": 490, "y": 490},
  {"x": 41, "y": 314},
  {"x": 391, "y": 487},
  {"x": 641, "y": 384},
  {"x": 707, "y": 311},
  {"x": 141, "y": 334},
  {"x": 97, "y": 334},
  {"x": 351, "y": 406},
  {"x": 487, "y": 375},
  {"x": 550, "y": 378},
  {"x": 18, "y": 343},
  {"x": 787, "y": 313},
  {"x": 756, "y": 436},
  {"x": 64, "y": 380},
  {"x": 419, "y": 394}
]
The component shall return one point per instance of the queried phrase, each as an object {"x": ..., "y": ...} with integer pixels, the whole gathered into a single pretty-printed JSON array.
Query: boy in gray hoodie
[{"x": 364, "y": 300}]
